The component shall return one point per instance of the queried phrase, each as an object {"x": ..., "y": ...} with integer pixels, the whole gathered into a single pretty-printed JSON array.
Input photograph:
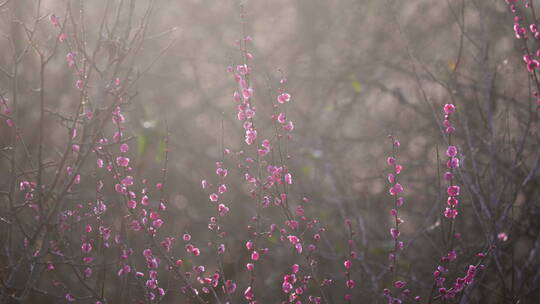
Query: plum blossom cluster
[
  {"x": 76, "y": 228},
  {"x": 6, "y": 111},
  {"x": 353, "y": 255},
  {"x": 221, "y": 189},
  {"x": 216, "y": 197},
  {"x": 453, "y": 191},
  {"x": 269, "y": 181},
  {"x": 524, "y": 30},
  {"x": 395, "y": 190},
  {"x": 152, "y": 264},
  {"x": 71, "y": 56},
  {"x": 460, "y": 283},
  {"x": 452, "y": 164},
  {"x": 295, "y": 285},
  {"x": 29, "y": 188},
  {"x": 246, "y": 110},
  {"x": 144, "y": 215}
]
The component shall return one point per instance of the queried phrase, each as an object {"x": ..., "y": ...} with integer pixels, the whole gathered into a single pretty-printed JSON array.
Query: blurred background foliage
[{"x": 358, "y": 71}]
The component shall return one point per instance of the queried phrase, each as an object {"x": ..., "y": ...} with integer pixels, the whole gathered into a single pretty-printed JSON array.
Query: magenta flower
[
  {"x": 54, "y": 20},
  {"x": 242, "y": 69},
  {"x": 289, "y": 126},
  {"x": 281, "y": 118},
  {"x": 222, "y": 189},
  {"x": 86, "y": 247},
  {"x": 452, "y": 201},
  {"x": 70, "y": 298},
  {"x": 396, "y": 189},
  {"x": 247, "y": 93},
  {"x": 236, "y": 96},
  {"x": 293, "y": 239},
  {"x": 449, "y": 108},
  {"x": 286, "y": 287},
  {"x": 147, "y": 253},
  {"x": 222, "y": 172},
  {"x": 88, "y": 260},
  {"x": 50, "y": 267},
  {"x": 284, "y": 97},
  {"x": 157, "y": 223},
  {"x": 124, "y": 148},
  {"x": 132, "y": 204},
  {"x": 451, "y": 151},
  {"x": 532, "y": 65},
  {"x": 230, "y": 286},
  {"x": 144, "y": 200},
  {"x": 88, "y": 272},
  {"x": 122, "y": 161},
  {"x": 288, "y": 178},
  {"x": 453, "y": 190},
  {"x": 394, "y": 233},
  {"x": 204, "y": 184},
  {"x": 450, "y": 213},
  {"x": 448, "y": 176},
  {"x": 298, "y": 247},
  {"x": 221, "y": 249},
  {"x": 453, "y": 163},
  {"x": 222, "y": 209},
  {"x": 248, "y": 294},
  {"x": 127, "y": 181}
]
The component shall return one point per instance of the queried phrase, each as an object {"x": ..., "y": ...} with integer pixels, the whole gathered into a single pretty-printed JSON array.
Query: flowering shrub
[{"x": 85, "y": 220}]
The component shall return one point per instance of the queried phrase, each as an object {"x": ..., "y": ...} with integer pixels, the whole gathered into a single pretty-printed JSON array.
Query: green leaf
[
  {"x": 307, "y": 170},
  {"x": 142, "y": 142},
  {"x": 160, "y": 154},
  {"x": 357, "y": 87}
]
